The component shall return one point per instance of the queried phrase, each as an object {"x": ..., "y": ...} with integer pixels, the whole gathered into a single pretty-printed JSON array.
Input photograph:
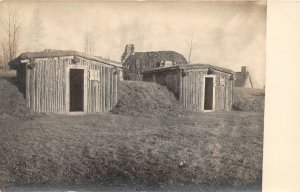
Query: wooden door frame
[
  {"x": 214, "y": 93},
  {"x": 67, "y": 97}
]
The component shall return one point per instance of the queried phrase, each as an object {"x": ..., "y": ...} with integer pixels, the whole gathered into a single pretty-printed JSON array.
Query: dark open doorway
[
  {"x": 209, "y": 93},
  {"x": 76, "y": 89}
]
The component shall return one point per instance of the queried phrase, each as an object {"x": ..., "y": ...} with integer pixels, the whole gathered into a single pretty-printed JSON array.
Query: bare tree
[
  {"x": 4, "y": 58},
  {"x": 12, "y": 41},
  {"x": 89, "y": 45},
  {"x": 192, "y": 45},
  {"x": 37, "y": 29}
]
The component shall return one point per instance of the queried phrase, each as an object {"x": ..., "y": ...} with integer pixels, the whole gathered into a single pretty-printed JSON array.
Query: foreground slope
[
  {"x": 202, "y": 148},
  {"x": 190, "y": 148}
]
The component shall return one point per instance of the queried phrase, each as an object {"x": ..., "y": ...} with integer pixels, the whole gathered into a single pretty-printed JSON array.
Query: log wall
[
  {"x": 46, "y": 85},
  {"x": 170, "y": 79},
  {"x": 188, "y": 87},
  {"x": 193, "y": 90}
]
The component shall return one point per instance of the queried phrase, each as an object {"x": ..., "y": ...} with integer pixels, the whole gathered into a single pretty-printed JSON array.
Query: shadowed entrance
[
  {"x": 76, "y": 89},
  {"x": 208, "y": 94}
]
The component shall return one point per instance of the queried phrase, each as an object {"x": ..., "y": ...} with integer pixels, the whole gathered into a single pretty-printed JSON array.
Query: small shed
[
  {"x": 67, "y": 82},
  {"x": 134, "y": 63},
  {"x": 199, "y": 87}
]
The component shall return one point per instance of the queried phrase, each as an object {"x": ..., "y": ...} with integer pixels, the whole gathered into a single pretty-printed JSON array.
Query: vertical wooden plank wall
[
  {"x": 46, "y": 86},
  {"x": 170, "y": 79},
  {"x": 101, "y": 96},
  {"x": 223, "y": 93},
  {"x": 189, "y": 89},
  {"x": 192, "y": 93}
]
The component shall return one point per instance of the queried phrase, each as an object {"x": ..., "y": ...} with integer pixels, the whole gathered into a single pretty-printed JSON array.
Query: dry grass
[
  {"x": 212, "y": 148},
  {"x": 146, "y": 99},
  {"x": 12, "y": 102},
  {"x": 246, "y": 99},
  {"x": 193, "y": 148}
]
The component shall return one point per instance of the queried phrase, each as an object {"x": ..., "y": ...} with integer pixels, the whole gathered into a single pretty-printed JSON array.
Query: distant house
[
  {"x": 243, "y": 78},
  {"x": 67, "y": 82},
  {"x": 199, "y": 87},
  {"x": 134, "y": 63}
]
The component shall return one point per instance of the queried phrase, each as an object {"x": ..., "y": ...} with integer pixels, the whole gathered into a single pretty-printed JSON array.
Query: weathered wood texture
[
  {"x": 46, "y": 85},
  {"x": 223, "y": 94},
  {"x": 171, "y": 79},
  {"x": 188, "y": 88}
]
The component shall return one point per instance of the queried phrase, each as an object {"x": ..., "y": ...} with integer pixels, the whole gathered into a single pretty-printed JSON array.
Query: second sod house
[
  {"x": 243, "y": 78},
  {"x": 134, "y": 63},
  {"x": 67, "y": 82},
  {"x": 199, "y": 87}
]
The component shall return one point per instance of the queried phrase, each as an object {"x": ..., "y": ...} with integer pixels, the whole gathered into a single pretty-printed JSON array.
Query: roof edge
[
  {"x": 190, "y": 66},
  {"x": 100, "y": 59},
  {"x": 60, "y": 53}
]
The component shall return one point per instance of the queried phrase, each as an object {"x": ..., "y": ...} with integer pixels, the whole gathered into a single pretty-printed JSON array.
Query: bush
[{"x": 246, "y": 99}]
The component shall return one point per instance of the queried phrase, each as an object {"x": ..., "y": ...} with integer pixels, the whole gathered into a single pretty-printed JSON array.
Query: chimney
[
  {"x": 129, "y": 50},
  {"x": 244, "y": 69}
]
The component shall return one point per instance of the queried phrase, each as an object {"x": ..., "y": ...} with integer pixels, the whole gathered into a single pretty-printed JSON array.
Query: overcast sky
[{"x": 228, "y": 34}]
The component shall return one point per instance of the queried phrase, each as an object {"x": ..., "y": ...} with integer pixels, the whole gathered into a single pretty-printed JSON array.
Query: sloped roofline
[
  {"x": 60, "y": 53},
  {"x": 191, "y": 66}
]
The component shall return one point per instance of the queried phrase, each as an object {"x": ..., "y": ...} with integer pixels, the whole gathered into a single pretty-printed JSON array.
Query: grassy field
[
  {"x": 223, "y": 148},
  {"x": 188, "y": 149}
]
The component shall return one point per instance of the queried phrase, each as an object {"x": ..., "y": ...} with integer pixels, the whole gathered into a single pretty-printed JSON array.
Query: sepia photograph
[{"x": 132, "y": 96}]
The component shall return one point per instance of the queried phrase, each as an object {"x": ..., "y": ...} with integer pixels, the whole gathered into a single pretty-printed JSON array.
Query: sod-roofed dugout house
[
  {"x": 243, "y": 78},
  {"x": 67, "y": 82},
  {"x": 134, "y": 63},
  {"x": 199, "y": 87}
]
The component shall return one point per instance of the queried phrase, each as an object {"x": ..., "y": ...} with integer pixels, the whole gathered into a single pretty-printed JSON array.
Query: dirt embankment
[
  {"x": 146, "y": 99},
  {"x": 12, "y": 102},
  {"x": 151, "y": 99},
  {"x": 246, "y": 99}
]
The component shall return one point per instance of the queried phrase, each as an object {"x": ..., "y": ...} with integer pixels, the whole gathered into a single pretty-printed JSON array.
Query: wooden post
[
  {"x": 37, "y": 87},
  {"x": 108, "y": 88},
  {"x": 103, "y": 89},
  {"x": 85, "y": 71},
  {"x": 27, "y": 85},
  {"x": 180, "y": 86},
  {"x": 67, "y": 91},
  {"x": 116, "y": 87}
]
